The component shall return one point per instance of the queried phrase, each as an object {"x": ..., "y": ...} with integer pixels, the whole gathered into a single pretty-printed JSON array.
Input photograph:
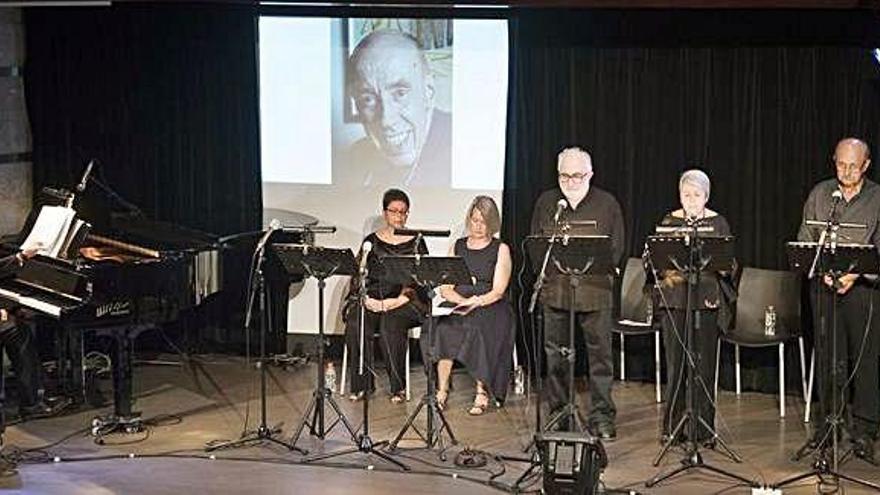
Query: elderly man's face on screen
[{"x": 393, "y": 92}]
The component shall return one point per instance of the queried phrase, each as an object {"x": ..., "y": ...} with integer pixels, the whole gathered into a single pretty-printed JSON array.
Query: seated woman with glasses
[
  {"x": 389, "y": 307},
  {"x": 714, "y": 292},
  {"x": 479, "y": 333}
]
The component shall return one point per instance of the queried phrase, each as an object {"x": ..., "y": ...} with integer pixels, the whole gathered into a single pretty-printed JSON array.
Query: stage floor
[{"x": 190, "y": 406}]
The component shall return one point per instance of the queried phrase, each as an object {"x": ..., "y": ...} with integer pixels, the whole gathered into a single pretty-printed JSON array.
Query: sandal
[
  {"x": 357, "y": 396},
  {"x": 441, "y": 397},
  {"x": 398, "y": 398},
  {"x": 481, "y": 404}
]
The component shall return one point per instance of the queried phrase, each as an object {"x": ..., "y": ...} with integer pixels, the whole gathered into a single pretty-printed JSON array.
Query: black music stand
[
  {"x": 320, "y": 263},
  {"x": 690, "y": 253},
  {"x": 572, "y": 257},
  {"x": 428, "y": 272},
  {"x": 819, "y": 259},
  {"x": 258, "y": 290},
  {"x": 297, "y": 257}
]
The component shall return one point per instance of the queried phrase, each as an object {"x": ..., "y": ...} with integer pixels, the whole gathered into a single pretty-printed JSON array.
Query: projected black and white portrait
[
  {"x": 396, "y": 88},
  {"x": 350, "y": 107}
]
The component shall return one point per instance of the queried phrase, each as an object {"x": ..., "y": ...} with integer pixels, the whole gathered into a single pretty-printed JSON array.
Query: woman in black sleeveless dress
[{"x": 480, "y": 332}]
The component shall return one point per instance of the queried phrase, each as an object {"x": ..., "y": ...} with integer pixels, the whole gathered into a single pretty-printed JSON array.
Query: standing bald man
[
  {"x": 408, "y": 141},
  {"x": 858, "y": 304},
  {"x": 593, "y": 298}
]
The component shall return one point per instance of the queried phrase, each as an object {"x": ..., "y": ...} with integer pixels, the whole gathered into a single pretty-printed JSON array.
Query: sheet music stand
[
  {"x": 320, "y": 263},
  {"x": 688, "y": 252},
  {"x": 428, "y": 272},
  {"x": 821, "y": 259},
  {"x": 572, "y": 257},
  {"x": 343, "y": 262}
]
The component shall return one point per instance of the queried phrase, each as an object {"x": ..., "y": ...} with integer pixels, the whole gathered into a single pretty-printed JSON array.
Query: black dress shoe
[
  {"x": 7, "y": 467},
  {"x": 45, "y": 409},
  {"x": 604, "y": 431},
  {"x": 863, "y": 448}
]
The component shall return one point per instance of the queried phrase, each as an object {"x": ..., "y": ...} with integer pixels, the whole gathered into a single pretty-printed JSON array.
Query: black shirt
[
  {"x": 863, "y": 208},
  {"x": 594, "y": 291}
]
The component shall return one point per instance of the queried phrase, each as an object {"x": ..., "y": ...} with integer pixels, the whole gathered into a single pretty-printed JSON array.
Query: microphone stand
[
  {"x": 821, "y": 466},
  {"x": 690, "y": 421},
  {"x": 258, "y": 289}
]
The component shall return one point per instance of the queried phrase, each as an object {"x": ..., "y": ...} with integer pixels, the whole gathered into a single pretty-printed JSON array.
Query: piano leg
[{"x": 123, "y": 418}]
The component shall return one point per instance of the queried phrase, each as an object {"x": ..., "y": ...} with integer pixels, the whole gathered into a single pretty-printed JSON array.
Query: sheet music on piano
[{"x": 54, "y": 231}]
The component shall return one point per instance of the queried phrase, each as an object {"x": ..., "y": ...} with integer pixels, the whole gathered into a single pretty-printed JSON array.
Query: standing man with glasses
[
  {"x": 593, "y": 299},
  {"x": 858, "y": 297}
]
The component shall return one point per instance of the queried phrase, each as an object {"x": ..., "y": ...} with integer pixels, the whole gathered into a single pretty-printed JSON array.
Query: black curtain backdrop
[
  {"x": 164, "y": 96},
  {"x": 760, "y": 116}
]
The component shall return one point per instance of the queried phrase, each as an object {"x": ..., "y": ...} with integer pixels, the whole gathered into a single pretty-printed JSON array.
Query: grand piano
[{"x": 130, "y": 274}]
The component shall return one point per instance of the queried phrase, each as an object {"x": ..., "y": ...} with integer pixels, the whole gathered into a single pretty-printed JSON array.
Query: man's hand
[
  {"x": 844, "y": 282},
  {"x": 374, "y": 305},
  {"x": 29, "y": 253}
]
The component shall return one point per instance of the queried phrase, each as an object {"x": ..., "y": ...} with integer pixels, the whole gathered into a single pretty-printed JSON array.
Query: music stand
[
  {"x": 690, "y": 253},
  {"x": 820, "y": 259},
  {"x": 571, "y": 257},
  {"x": 363, "y": 443},
  {"x": 428, "y": 272},
  {"x": 320, "y": 263}
]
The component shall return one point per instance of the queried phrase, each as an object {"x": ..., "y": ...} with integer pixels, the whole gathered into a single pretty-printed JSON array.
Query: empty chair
[
  {"x": 758, "y": 291},
  {"x": 636, "y": 316}
]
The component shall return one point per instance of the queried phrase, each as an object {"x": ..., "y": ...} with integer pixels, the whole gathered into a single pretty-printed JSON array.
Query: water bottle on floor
[
  {"x": 519, "y": 381},
  {"x": 330, "y": 377}
]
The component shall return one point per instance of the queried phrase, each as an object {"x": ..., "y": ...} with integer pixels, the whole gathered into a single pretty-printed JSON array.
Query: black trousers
[
  {"x": 704, "y": 346},
  {"x": 858, "y": 344},
  {"x": 596, "y": 328},
  {"x": 393, "y": 328},
  {"x": 19, "y": 343}
]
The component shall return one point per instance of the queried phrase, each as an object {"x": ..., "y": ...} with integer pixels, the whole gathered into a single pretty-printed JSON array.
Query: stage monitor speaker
[{"x": 572, "y": 462}]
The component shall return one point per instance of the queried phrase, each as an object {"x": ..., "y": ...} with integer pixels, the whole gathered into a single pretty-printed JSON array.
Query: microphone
[
  {"x": 836, "y": 197},
  {"x": 423, "y": 232},
  {"x": 365, "y": 250},
  {"x": 314, "y": 229},
  {"x": 560, "y": 205},
  {"x": 85, "y": 177},
  {"x": 274, "y": 225}
]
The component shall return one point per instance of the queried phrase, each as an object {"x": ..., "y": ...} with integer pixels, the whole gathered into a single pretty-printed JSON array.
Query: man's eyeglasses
[
  {"x": 852, "y": 167},
  {"x": 401, "y": 213},
  {"x": 576, "y": 178}
]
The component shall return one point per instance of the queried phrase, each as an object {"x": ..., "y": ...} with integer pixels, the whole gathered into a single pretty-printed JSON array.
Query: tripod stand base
[
  {"x": 262, "y": 434},
  {"x": 316, "y": 425},
  {"x": 432, "y": 436},
  {"x": 821, "y": 470},
  {"x": 695, "y": 461},
  {"x": 365, "y": 446}
]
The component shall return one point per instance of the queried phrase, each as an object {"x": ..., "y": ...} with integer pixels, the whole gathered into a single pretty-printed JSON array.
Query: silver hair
[
  {"x": 855, "y": 142},
  {"x": 698, "y": 178},
  {"x": 574, "y": 152}
]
